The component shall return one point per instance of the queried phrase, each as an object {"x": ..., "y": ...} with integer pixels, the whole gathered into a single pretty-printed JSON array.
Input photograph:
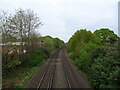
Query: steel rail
[
  {"x": 43, "y": 76},
  {"x": 73, "y": 72},
  {"x": 51, "y": 77},
  {"x": 66, "y": 75},
  {"x": 50, "y": 83}
]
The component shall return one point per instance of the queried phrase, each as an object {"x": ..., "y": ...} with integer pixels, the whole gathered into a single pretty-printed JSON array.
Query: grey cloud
[{"x": 61, "y": 18}]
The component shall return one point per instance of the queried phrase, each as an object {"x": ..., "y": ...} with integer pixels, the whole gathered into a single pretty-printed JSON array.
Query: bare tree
[
  {"x": 33, "y": 23},
  {"x": 24, "y": 23}
]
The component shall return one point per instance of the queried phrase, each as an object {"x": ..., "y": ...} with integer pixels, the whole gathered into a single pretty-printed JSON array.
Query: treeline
[
  {"x": 22, "y": 46},
  {"x": 51, "y": 44},
  {"x": 97, "y": 55}
]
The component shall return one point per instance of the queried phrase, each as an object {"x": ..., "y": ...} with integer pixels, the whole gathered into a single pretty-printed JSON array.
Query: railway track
[
  {"x": 71, "y": 74},
  {"x": 57, "y": 72},
  {"x": 52, "y": 74},
  {"x": 51, "y": 70}
]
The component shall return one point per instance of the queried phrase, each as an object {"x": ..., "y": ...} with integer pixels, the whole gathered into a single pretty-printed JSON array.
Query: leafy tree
[
  {"x": 79, "y": 39},
  {"x": 106, "y": 35},
  {"x": 50, "y": 43}
]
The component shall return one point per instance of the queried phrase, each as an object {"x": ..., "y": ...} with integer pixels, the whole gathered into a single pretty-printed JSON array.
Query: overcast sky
[{"x": 61, "y": 18}]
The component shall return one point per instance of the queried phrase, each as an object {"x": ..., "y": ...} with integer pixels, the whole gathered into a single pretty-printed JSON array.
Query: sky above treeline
[{"x": 61, "y": 18}]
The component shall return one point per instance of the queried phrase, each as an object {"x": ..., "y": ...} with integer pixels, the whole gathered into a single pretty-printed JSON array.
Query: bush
[
  {"x": 36, "y": 60},
  {"x": 105, "y": 68}
]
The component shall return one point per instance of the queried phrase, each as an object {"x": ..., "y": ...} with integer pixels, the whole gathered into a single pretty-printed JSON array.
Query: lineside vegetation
[{"x": 97, "y": 55}]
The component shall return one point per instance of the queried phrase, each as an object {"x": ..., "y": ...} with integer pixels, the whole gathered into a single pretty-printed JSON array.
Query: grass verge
[{"x": 19, "y": 77}]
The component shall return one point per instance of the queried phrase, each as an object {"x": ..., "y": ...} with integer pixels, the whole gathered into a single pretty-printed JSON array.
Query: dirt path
[{"x": 58, "y": 72}]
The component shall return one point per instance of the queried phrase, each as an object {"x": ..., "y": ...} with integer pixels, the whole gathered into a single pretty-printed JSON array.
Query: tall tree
[
  {"x": 24, "y": 24},
  {"x": 33, "y": 22},
  {"x": 106, "y": 35}
]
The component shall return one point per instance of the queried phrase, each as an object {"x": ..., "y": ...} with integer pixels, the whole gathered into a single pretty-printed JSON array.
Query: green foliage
[
  {"x": 37, "y": 58},
  {"x": 13, "y": 64},
  {"x": 105, "y": 68},
  {"x": 51, "y": 44},
  {"x": 79, "y": 39},
  {"x": 19, "y": 77},
  {"x": 34, "y": 56},
  {"x": 106, "y": 35},
  {"x": 18, "y": 86},
  {"x": 58, "y": 43},
  {"x": 86, "y": 54},
  {"x": 97, "y": 54}
]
